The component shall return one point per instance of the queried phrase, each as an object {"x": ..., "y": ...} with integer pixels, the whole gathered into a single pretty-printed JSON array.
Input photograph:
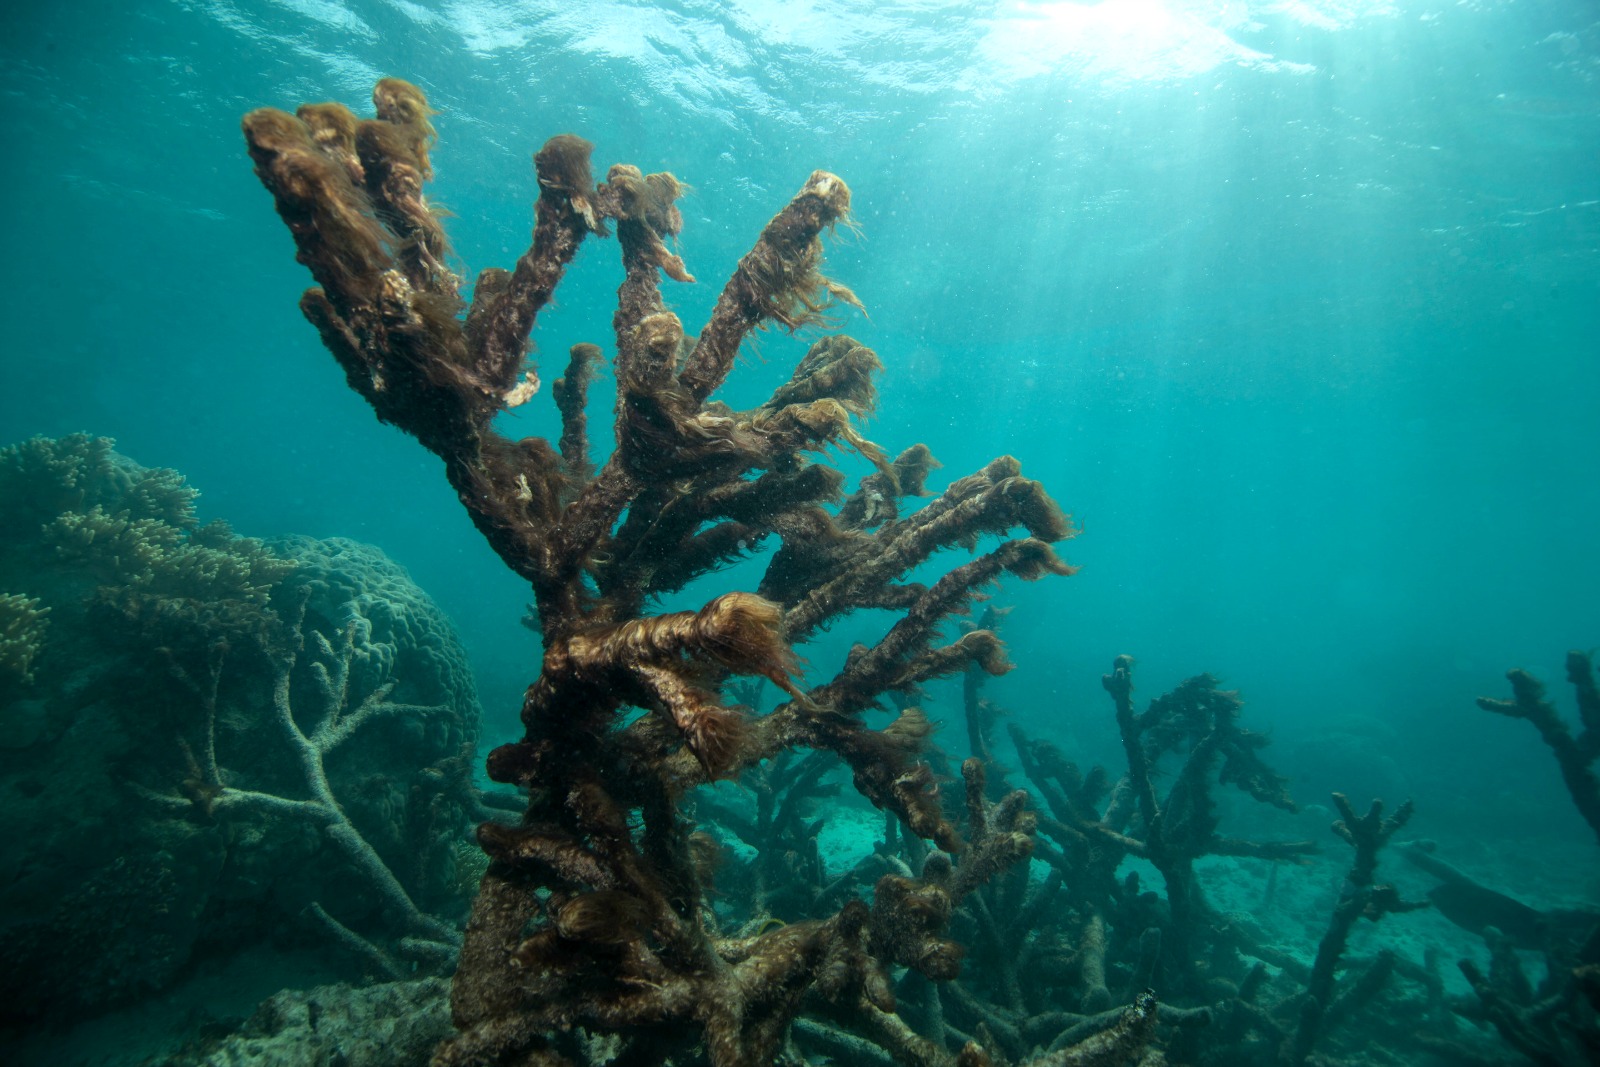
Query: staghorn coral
[
  {"x": 341, "y": 713},
  {"x": 786, "y": 876},
  {"x": 592, "y": 913},
  {"x": 1182, "y": 827},
  {"x": 1554, "y": 1020},
  {"x": 47, "y": 477},
  {"x": 978, "y": 712},
  {"x": 1052, "y": 957},
  {"x": 130, "y": 537}
]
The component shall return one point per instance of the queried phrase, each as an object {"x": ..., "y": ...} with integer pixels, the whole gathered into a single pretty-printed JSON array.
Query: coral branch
[
  {"x": 1575, "y": 755},
  {"x": 778, "y": 279},
  {"x": 1360, "y": 898},
  {"x": 323, "y": 807}
]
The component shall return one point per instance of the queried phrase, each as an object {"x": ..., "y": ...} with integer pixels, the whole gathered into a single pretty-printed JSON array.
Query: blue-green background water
[{"x": 1295, "y": 306}]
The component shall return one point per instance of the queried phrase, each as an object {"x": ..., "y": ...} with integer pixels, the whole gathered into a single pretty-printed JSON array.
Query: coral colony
[
  {"x": 614, "y": 922},
  {"x": 190, "y": 716}
]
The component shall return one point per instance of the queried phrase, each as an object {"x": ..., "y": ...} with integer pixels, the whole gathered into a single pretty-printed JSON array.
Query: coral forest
[{"x": 652, "y": 888}]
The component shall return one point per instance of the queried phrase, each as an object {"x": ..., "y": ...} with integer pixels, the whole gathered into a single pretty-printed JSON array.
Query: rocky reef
[
  {"x": 212, "y": 741},
  {"x": 639, "y": 914}
]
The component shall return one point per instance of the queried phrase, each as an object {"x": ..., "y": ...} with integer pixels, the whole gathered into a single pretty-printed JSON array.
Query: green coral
[
  {"x": 42, "y": 478},
  {"x": 132, "y": 530},
  {"x": 22, "y": 626},
  {"x": 158, "y": 559}
]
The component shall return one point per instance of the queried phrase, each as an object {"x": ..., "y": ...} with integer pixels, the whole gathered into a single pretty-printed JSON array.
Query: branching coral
[
  {"x": 1183, "y": 827},
  {"x": 132, "y": 531},
  {"x": 1557, "y": 1021},
  {"x": 591, "y": 913},
  {"x": 48, "y": 477},
  {"x": 786, "y": 877},
  {"x": 22, "y": 628},
  {"x": 1087, "y": 940},
  {"x": 1198, "y": 723},
  {"x": 594, "y": 927},
  {"x": 978, "y": 712}
]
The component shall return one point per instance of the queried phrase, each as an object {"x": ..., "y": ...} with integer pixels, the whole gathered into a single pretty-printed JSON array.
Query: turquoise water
[{"x": 1295, "y": 307}]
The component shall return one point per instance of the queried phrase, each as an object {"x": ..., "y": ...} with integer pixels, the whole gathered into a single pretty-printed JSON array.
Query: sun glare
[{"x": 1144, "y": 40}]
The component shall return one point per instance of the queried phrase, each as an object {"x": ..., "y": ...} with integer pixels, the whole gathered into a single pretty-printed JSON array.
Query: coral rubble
[{"x": 389, "y": 1024}]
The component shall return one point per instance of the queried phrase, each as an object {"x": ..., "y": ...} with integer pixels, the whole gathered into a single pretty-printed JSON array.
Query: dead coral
[
  {"x": 786, "y": 877},
  {"x": 1555, "y": 1021},
  {"x": 592, "y": 912},
  {"x": 1575, "y": 753},
  {"x": 1199, "y": 721},
  {"x": 1361, "y": 897}
]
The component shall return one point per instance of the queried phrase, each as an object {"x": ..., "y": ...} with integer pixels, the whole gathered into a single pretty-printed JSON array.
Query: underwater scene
[{"x": 1042, "y": 533}]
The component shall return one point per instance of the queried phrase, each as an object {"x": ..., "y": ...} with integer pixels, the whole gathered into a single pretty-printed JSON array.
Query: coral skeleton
[{"x": 1555, "y": 1021}]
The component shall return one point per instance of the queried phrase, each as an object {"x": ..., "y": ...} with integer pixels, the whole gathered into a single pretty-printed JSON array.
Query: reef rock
[{"x": 393, "y": 1024}]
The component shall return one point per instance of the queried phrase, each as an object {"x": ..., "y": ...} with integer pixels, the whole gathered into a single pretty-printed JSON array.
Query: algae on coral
[{"x": 593, "y": 912}]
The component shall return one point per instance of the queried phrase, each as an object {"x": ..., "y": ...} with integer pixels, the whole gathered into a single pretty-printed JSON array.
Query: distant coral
[
  {"x": 223, "y": 740},
  {"x": 127, "y": 537},
  {"x": 1554, "y": 1021},
  {"x": 44, "y": 478}
]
